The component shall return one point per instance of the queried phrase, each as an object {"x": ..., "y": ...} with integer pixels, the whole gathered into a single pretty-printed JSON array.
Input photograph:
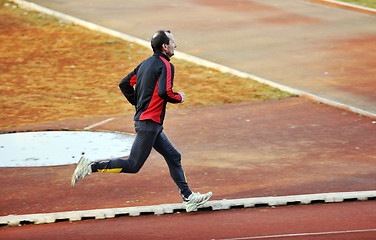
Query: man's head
[{"x": 163, "y": 42}]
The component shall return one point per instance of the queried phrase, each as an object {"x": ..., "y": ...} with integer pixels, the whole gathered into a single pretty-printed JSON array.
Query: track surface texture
[
  {"x": 351, "y": 221},
  {"x": 275, "y": 148}
]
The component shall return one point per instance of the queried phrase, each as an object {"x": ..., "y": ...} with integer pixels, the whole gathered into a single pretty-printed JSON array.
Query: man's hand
[{"x": 182, "y": 96}]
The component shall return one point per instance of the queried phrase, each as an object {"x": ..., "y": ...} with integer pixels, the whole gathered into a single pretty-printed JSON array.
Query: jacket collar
[{"x": 162, "y": 55}]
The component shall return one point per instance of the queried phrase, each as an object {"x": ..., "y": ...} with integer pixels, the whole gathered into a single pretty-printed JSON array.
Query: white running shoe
[
  {"x": 196, "y": 200},
  {"x": 82, "y": 170}
]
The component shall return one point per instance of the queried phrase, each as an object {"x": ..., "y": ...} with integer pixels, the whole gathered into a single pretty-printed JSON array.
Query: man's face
[{"x": 170, "y": 48}]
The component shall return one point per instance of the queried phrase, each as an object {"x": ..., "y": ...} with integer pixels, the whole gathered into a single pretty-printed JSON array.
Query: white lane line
[
  {"x": 304, "y": 234},
  {"x": 99, "y": 123},
  {"x": 349, "y": 5}
]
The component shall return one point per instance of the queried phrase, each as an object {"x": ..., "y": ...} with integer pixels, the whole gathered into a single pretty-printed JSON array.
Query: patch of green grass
[{"x": 364, "y": 3}]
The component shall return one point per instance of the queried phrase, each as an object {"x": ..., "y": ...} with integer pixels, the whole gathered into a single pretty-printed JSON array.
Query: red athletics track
[
  {"x": 305, "y": 147},
  {"x": 350, "y": 220}
]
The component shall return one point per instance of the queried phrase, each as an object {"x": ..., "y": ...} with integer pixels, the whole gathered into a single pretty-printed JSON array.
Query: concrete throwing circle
[{"x": 51, "y": 148}]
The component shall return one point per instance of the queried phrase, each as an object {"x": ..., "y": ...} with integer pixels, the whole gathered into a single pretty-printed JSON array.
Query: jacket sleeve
[
  {"x": 166, "y": 83},
  {"x": 126, "y": 85}
]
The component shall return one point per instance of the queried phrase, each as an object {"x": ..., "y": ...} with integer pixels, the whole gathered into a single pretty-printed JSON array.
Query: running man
[{"x": 149, "y": 88}]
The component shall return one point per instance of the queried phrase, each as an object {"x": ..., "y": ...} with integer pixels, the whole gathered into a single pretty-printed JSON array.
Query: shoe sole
[{"x": 74, "y": 180}]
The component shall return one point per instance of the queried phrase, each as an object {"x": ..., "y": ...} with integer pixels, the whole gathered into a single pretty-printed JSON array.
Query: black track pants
[{"x": 149, "y": 134}]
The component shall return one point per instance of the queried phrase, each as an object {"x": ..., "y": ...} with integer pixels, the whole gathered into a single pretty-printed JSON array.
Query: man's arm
[
  {"x": 166, "y": 82},
  {"x": 126, "y": 85}
]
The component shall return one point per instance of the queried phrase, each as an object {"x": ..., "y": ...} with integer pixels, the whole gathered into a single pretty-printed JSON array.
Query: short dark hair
[{"x": 159, "y": 38}]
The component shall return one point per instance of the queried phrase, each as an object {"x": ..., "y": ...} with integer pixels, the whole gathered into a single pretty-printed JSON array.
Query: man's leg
[
  {"x": 146, "y": 133},
  {"x": 173, "y": 159}
]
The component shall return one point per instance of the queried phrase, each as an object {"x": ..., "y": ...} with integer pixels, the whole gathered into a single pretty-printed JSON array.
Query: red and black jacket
[{"x": 153, "y": 81}]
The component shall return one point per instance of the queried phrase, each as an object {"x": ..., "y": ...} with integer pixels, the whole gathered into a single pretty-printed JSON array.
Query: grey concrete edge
[
  {"x": 43, "y": 218},
  {"x": 190, "y": 58}
]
